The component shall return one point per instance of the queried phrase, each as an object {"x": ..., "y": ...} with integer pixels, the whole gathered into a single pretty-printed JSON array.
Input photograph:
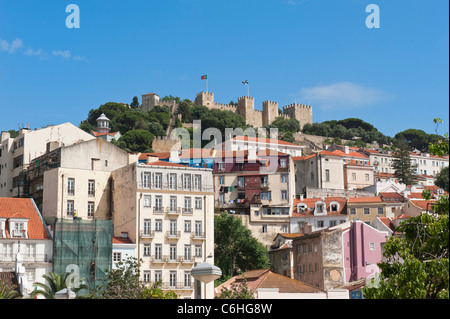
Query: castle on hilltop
[{"x": 245, "y": 107}]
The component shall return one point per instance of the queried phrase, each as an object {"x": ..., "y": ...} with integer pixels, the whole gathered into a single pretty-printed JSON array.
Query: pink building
[{"x": 362, "y": 246}]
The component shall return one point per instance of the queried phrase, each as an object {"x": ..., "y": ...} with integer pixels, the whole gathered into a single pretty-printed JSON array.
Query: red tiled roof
[
  {"x": 103, "y": 134},
  {"x": 423, "y": 204},
  {"x": 343, "y": 154},
  {"x": 302, "y": 158},
  {"x": 163, "y": 155},
  {"x": 23, "y": 208},
  {"x": 120, "y": 240},
  {"x": 374, "y": 199},
  {"x": 311, "y": 202}
]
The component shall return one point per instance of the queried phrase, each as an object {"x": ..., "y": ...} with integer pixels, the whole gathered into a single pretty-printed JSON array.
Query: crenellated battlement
[
  {"x": 296, "y": 105},
  {"x": 246, "y": 108}
]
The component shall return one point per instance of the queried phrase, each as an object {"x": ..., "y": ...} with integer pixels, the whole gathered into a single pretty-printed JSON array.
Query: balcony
[
  {"x": 172, "y": 259},
  {"x": 198, "y": 236},
  {"x": 158, "y": 259},
  {"x": 19, "y": 233},
  {"x": 173, "y": 234},
  {"x": 177, "y": 285},
  {"x": 147, "y": 234},
  {"x": 158, "y": 210},
  {"x": 187, "y": 211},
  {"x": 173, "y": 211},
  {"x": 186, "y": 259}
]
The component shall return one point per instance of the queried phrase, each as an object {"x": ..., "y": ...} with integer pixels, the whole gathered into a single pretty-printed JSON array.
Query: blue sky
[{"x": 316, "y": 52}]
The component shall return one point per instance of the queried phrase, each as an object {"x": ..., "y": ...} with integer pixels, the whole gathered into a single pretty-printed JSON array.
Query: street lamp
[{"x": 205, "y": 273}]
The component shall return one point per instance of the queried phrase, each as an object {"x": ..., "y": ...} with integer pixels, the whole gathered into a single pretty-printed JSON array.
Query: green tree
[
  {"x": 135, "y": 103},
  {"x": 442, "y": 180},
  {"x": 417, "y": 263},
  {"x": 123, "y": 283},
  {"x": 237, "y": 291},
  {"x": 402, "y": 164},
  {"x": 137, "y": 140},
  {"x": 236, "y": 248},
  {"x": 54, "y": 283},
  {"x": 8, "y": 292}
]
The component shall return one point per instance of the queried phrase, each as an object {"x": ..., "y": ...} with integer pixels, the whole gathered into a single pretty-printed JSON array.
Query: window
[
  {"x": 198, "y": 250},
  {"x": 91, "y": 209},
  {"x": 334, "y": 207},
  {"x": 320, "y": 223},
  {"x": 241, "y": 181},
  {"x": 158, "y": 225},
  {"x": 147, "y": 250},
  {"x": 158, "y": 203},
  {"x": 188, "y": 202},
  {"x": 71, "y": 186},
  {"x": 372, "y": 246},
  {"x": 197, "y": 182},
  {"x": 352, "y": 211},
  {"x": 283, "y": 195},
  {"x": 158, "y": 251},
  {"x": 187, "y": 226},
  {"x": 353, "y": 176},
  {"x": 158, "y": 180},
  {"x": 198, "y": 203},
  {"x": 187, "y": 279},
  {"x": 117, "y": 257},
  {"x": 264, "y": 228},
  {"x": 282, "y": 163},
  {"x": 147, "y": 201},
  {"x": 173, "y": 252},
  {"x": 173, "y": 181},
  {"x": 222, "y": 180},
  {"x": 283, "y": 178},
  {"x": 18, "y": 161},
  {"x": 173, "y": 227},
  {"x": 220, "y": 166},
  {"x": 367, "y": 177},
  {"x": 198, "y": 227},
  {"x": 146, "y": 180},
  {"x": 266, "y": 196},
  {"x": 158, "y": 276},
  {"x": 91, "y": 187},
  {"x": 327, "y": 175},
  {"x": 312, "y": 176},
  {"x": 366, "y": 211},
  {"x": 147, "y": 226},
  {"x": 187, "y": 181},
  {"x": 147, "y": 276},
  {"x": 221, "y": 197},
  {"x": 172, "y": 279},
  {"x": 187, "y": 252},
  {"x": 380, "y": 210},
  {"x": 70, "y": 207}
]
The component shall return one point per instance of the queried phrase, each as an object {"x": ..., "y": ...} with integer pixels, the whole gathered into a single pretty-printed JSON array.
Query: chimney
[
  {"x": 174, "y": 158},
  {"x": 307, "y": 228},
  {"x": 346, "y": 149},
  {"x": 251, "y": 154}
]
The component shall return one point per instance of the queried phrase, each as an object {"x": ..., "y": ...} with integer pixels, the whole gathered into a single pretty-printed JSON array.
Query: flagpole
[{"x": 206, "y": 85}]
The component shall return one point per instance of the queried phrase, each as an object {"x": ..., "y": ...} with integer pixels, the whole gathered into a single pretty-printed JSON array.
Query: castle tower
[
  {"x": 149, "y": 101},
  {"x": 246, "y": 108},
  {"x": 205, "y": 99},
  {"x": 300, "y": 112},
  {"x": 102, "y": 124},
  {"x": 270, "y": 112}
]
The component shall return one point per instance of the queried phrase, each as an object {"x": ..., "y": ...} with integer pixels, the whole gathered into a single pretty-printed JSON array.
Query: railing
[
  {"x": 177, "y": 285},
  {"x": 187, "y": 210},
  {"x": 173, "y": 210},
  {"x": 158, "y": 210},
  {"x": 178, "y": 186},
  {"x": 26, "y": 258},
  {"x": 173, "y": 234},
  {"x": 158, "y": 259},
  {"x": 198, "y": 235},
  {"x": 19, "y": 233},
  {"x": 147, "y": 234}
]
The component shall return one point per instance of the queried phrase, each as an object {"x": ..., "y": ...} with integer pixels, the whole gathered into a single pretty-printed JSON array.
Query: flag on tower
[
  {"x": 204, "y": 77},
  {"x": 245, "y": 82}
]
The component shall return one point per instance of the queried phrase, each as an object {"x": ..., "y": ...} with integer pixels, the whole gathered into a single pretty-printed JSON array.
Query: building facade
[{"x": 167, "y": 210}]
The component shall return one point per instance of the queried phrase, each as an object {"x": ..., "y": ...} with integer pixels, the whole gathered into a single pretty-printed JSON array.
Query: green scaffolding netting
[{"x": 86, "y": 244}]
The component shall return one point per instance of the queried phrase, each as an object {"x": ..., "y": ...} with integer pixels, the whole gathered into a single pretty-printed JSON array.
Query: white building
[
  {"x": 167, "y": 210},
  {"x": 26, "y": 246},
  {"x": 17, "y": 153},
  {"x": 245, "y": 143}
]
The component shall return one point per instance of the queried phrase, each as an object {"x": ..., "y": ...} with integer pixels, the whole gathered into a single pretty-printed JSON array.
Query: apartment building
[
  {"x": 245, "y": 143},
  {"x": 366, "y": 209},
  {"x": 74, "y": 181},
  {"x": 257, "y": 187},
  {"x": 17, "y": 153},
  {"x": 26, "y": 247},
  {"x": 336, "y": 171},
  {"x": 167, "y": 210},
  {"x": 318, "y": 213}
]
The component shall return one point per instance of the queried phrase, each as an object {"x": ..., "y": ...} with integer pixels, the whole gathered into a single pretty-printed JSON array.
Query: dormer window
[
  {"x": 320, "y": 208},
  {"x": 334, "y": 207},
  {"x": 18, "y": 227},
  {"x": 301, "y": 207}
]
